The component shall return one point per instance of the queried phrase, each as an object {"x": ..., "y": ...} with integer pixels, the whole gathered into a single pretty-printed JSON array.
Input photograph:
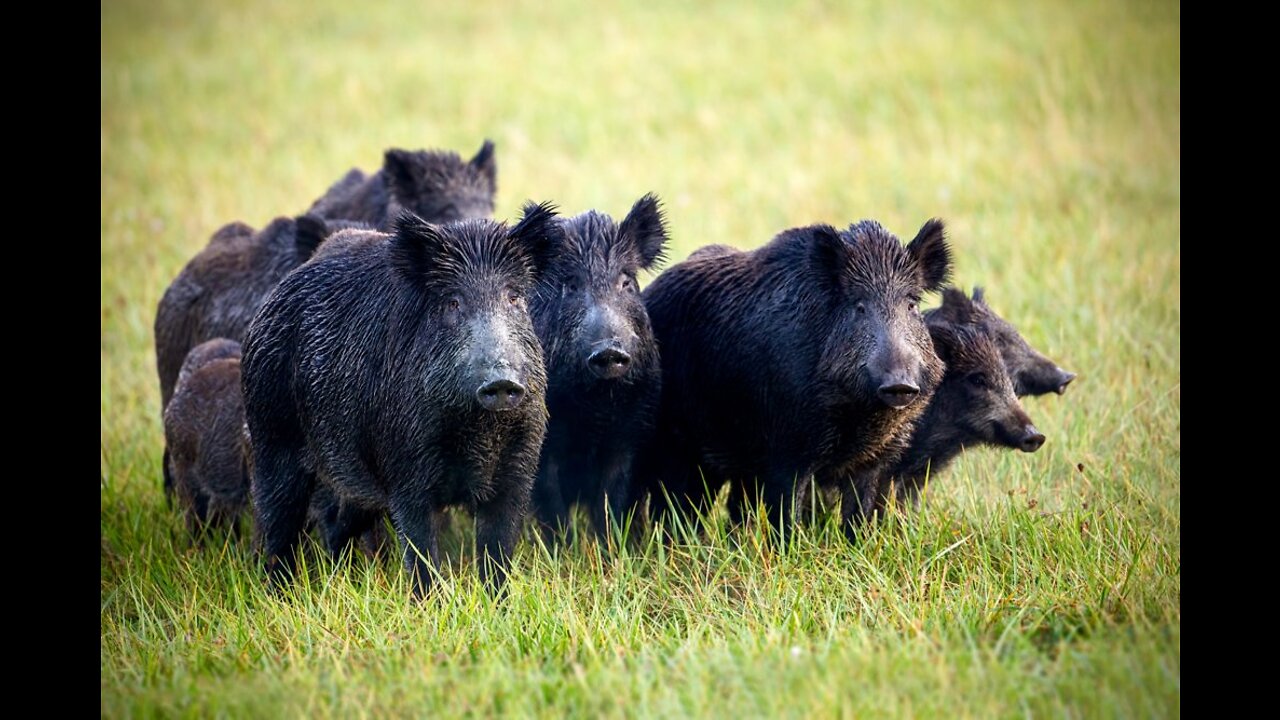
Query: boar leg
[
  {"x": 779, "y": 496},
  {"x": 497, "y": 530},
  {"x": 281, "y": 494},
  {"x": 548, "y": 501},
  {"x": 415, "y": 521},
  {"x": 610, "y": 506},
  {"x": 348, "y": 522}
]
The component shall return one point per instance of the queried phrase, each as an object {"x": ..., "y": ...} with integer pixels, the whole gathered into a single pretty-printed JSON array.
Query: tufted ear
[
  {"x": 485, "y": 162},
  {"x": 309, "y": 231},
  {"x": 930, "y": 251},
  {"x": 829, "y": 255},
  {"x": 956, "y": 307},
  {"x": 978, "y": 295},
  {"x": 415, "y": 245},
  {"x": 646, "y": 229},
  {"x": 404, "y": 169},
  {"x": 539, "y": 232},
  {"x": 946, "y": 340}
]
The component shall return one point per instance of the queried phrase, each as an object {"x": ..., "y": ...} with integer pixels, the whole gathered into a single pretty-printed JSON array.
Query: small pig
[
  {"x": 406, "y": 376},
  {"x": 204, "y": 433},
  {"x": 437, "y": 186},
  {"x": 603, "y": 371},
  {"x": 1032, "y": 373}
]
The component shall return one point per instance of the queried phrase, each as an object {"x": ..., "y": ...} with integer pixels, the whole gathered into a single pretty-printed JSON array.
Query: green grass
[{"x": 1046, "y": 134}]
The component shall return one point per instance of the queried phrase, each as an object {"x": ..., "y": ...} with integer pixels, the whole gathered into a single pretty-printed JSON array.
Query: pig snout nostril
[
  {"x": 609, "y": 363},
  {"x": 899, "y": 395},
  {"x": 1064, "y": 380},
  {"x": 1031, "y": 440},
  {"x": 500, "y": 395}
]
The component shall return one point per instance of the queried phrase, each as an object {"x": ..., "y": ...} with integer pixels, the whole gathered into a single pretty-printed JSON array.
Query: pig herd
[{"x": 395, "y": 352}]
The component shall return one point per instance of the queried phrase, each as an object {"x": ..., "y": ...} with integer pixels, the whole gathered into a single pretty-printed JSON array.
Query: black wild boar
[
  {"x": 807, "y": 355},
  {"x": 603, "y": 372},
  {"x": 1032, "y": 373},
  {"x": 203, "y": 430},
  {"x": 406, "y": 376},
  {"x": 974, "y": 405},
  {"x": 220, "y": 289},
  {"x": 436, "y": 185}
]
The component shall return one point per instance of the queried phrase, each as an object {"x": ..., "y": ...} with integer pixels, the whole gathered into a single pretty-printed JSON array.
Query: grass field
[{"x": 1046, "y": 134}]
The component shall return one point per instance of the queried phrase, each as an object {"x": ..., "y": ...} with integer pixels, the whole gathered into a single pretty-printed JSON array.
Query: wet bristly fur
[
  {"x": 436, "y": 185},
  {"x": 360, "y": 372},
  {"x": 1032, "y": 372},
  {"x": 218, "y": 291},
  {"x": 765, "y": 356},
  {"x": 203, "y": 424},
  {"x": 974, "y": 405},
  {"x": 589, "y": 298}
]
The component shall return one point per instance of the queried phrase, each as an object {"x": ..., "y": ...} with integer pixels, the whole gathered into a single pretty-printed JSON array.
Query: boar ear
[
  {"x": 978, "y": 295},
  {"x": 646, "y": 229},
  {"x": 830, "y": 254},
  {"x": 539, "y": 233},
  {"x": 486, "y": 163},
  {"x": 309, "y": 231},
  {"x": 415, "y": 245},
  {"x": 931, "y": 253},
  {"x": 956, "y": 306},
  {"x": 947, "y": 339},
  {"x": 403, "y": 169}
]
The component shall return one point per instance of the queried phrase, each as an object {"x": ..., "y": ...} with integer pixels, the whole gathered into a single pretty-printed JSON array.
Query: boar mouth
[{"x": 898, "y": 395}]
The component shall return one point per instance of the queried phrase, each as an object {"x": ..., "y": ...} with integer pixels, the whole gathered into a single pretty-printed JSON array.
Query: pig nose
[
  {"x": 899, "y": 395},
  {"x": 500, "y": 395},
  {"x": 1031, "y": 440},
  {"x": 609, "y": 363},
  {"x": 1064, "y": 379}
]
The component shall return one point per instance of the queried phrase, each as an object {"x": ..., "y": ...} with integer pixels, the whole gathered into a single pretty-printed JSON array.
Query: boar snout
[
  {"x": 1064, "y": 379},
  {"x": 1031, "y": 439},
  {"x": 610, "y": 362},
  {"x": 500, "y": 394}
]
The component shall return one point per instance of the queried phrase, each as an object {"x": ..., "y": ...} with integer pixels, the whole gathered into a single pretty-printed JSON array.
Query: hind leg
[
  {"x": 168, "y": 477},
  {"x": 281, "y": 494}
]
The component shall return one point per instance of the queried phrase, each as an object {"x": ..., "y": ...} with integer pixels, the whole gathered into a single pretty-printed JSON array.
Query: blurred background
[{"x": 1046, "y": 134}]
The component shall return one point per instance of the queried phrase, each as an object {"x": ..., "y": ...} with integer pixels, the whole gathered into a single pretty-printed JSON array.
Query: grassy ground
[{"x": 1048, "y": 136}]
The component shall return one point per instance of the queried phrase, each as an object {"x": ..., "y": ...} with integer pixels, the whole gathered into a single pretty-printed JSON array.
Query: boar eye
[
  {"x": 978, "y": 380},
  {"x": 860, "y": 308},
  {"x": 513, "y": 297},
  {"x": 627, "y": 283},
  {"x": 454, "y": 304}
]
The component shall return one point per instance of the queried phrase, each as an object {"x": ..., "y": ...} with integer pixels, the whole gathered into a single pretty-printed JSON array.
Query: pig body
[
  {"x": 602, "y": 364},
  {"x": 807, "y": 355},
  {"x": 405, "y": 375},
  {"x": 436, "y": 185},
  {"x": 204, "y": 432}
]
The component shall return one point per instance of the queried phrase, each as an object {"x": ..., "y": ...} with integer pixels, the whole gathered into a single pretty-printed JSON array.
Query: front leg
[
  {"x": 861, "y": 500},
  {"x": 781, "y": 488},
  {"x": 611, "y": 504},
  {"x": 497, "y": 530},
  {"x": 548, "y": 501},
  {"x": 416, "y": 522}
]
